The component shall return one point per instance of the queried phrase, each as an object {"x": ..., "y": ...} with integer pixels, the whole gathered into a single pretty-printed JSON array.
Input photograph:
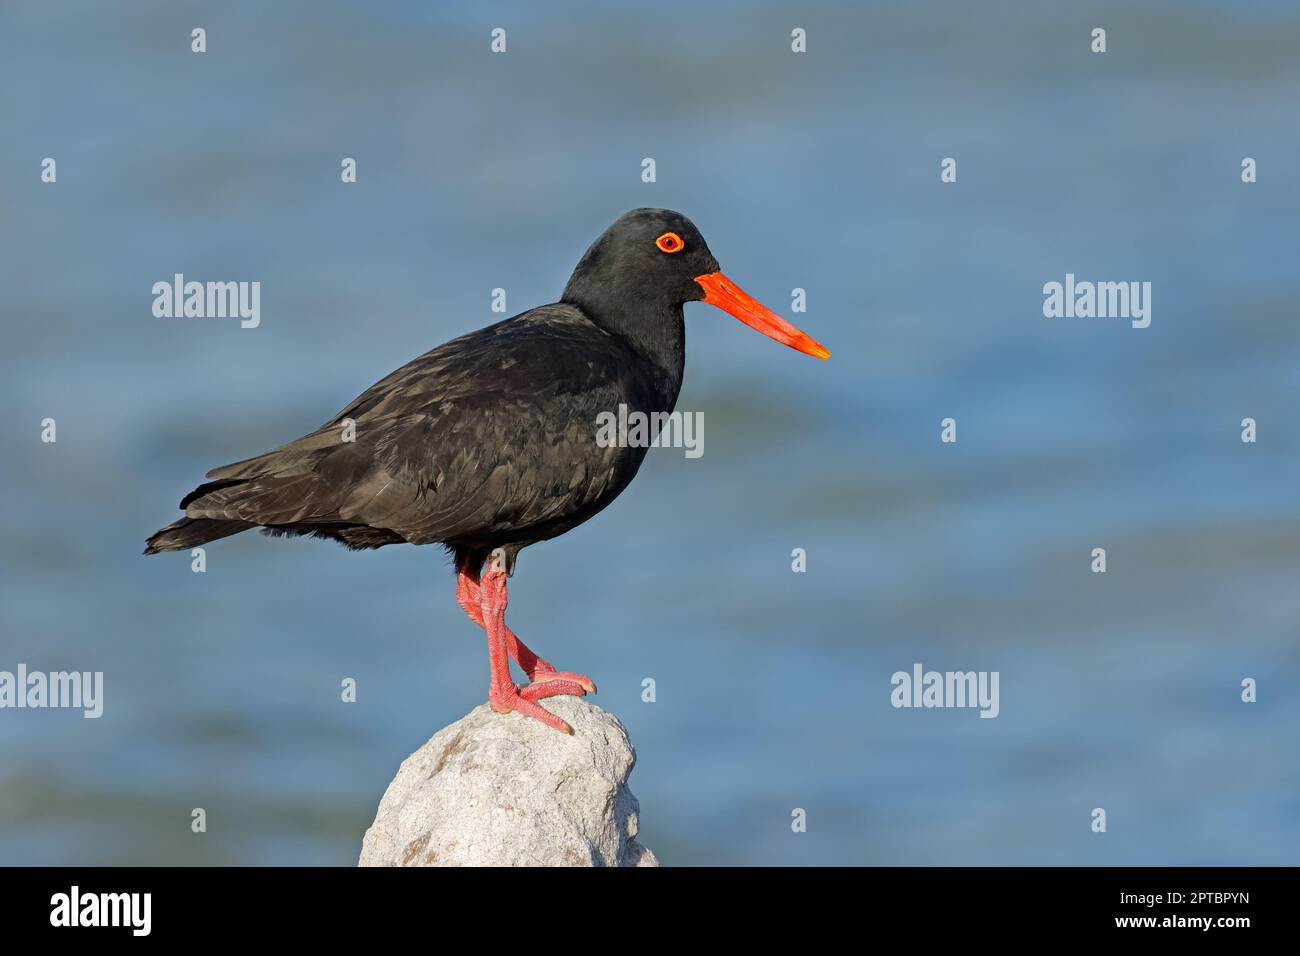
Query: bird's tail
[{"x": 191, "y": 532}]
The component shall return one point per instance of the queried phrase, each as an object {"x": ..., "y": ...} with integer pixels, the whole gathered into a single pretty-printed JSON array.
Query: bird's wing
[{"x": 492, "y": 431}]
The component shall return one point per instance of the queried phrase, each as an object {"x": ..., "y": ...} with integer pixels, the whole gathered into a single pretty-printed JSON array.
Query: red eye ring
[{"x": 670, "y": 242}]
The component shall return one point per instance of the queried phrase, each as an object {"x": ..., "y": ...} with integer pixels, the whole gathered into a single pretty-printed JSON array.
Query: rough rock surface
[{"x": 504, "y": 790}]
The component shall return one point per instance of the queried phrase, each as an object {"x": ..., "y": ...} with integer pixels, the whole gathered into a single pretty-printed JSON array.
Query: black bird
[{"x": 488, "y": 444}]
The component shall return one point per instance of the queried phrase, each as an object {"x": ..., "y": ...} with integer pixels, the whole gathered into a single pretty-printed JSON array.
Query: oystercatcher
[{"x": 487, "y": 444}]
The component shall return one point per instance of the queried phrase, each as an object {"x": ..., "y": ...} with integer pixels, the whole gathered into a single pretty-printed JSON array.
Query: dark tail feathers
[{"x": 191, "y": 532}]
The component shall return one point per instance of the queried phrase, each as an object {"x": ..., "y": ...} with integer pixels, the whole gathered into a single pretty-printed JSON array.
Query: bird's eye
[{"x": 670, "y": 242}]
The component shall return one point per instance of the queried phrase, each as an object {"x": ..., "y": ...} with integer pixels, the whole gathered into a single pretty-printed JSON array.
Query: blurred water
[{"x": 818, "y": 171}]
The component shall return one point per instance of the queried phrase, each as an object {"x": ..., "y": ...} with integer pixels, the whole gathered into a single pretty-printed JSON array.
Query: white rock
[{"x": 505, "y": 790}]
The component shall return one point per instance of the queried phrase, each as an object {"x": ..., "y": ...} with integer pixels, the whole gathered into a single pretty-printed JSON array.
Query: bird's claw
[
  {"x": 541, "y": 676},
  {"x": 551, "y": 688},
  {"x": 524, "y": 701}
]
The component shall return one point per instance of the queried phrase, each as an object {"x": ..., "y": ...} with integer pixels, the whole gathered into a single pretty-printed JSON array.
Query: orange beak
[{"x": 732, "y": 299}]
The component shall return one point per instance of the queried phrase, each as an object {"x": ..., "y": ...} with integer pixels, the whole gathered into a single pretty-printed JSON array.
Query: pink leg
[
  {"x": 468, "y": 596},
  {"x": 503, "y": 695}
]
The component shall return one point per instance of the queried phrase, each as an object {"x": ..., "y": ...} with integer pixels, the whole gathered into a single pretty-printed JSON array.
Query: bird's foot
[
  {"x": 552, "y": 688},
  {"x": 503, "y": 694},
  {"x": 544, "y": 673},
  {"x": 523, "y": 701}
]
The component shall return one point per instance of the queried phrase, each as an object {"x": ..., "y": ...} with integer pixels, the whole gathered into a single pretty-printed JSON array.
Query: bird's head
[{"x": 656, "y": 258}]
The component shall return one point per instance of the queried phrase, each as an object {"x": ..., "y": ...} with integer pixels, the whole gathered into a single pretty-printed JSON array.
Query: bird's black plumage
[{"x": 488, "y": 441}]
